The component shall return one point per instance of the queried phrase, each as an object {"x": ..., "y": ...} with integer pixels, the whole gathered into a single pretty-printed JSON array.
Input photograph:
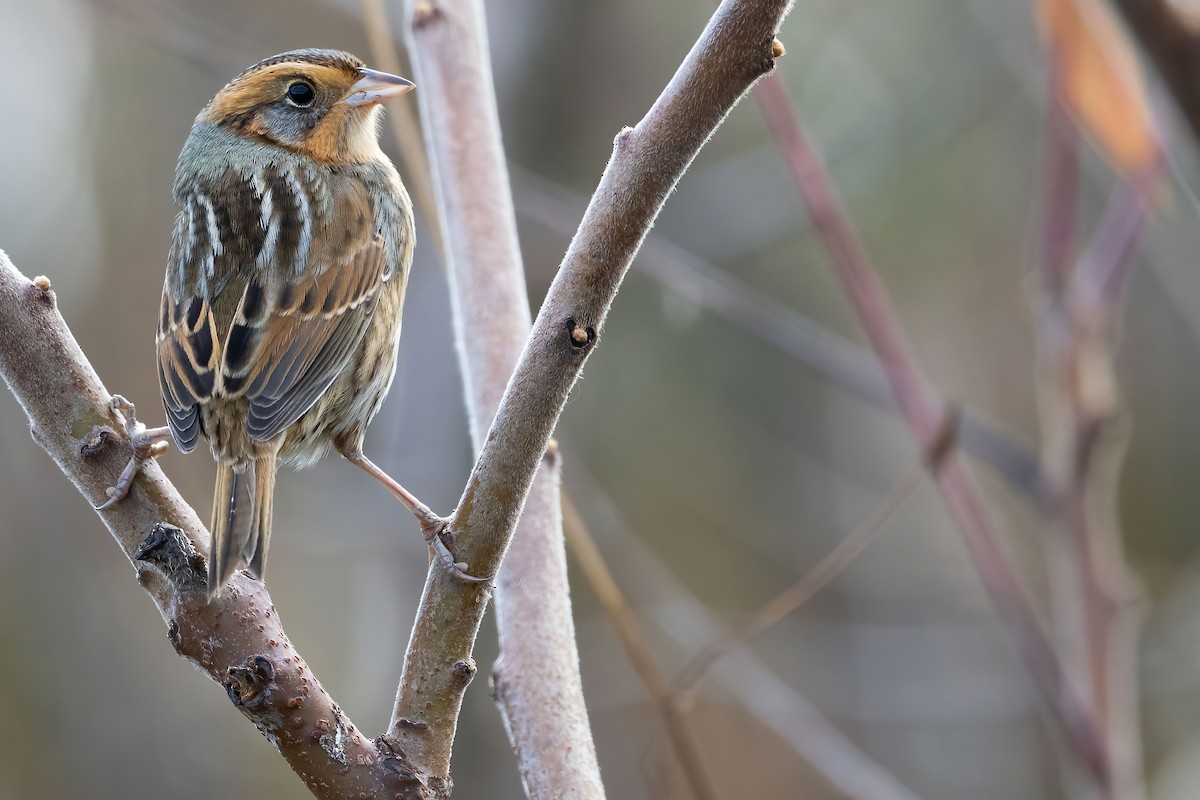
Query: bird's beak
[{"x": 375, "y": 87}]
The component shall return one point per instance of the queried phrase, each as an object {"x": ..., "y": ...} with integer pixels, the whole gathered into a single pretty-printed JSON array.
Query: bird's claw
[
  {"x": 432, "y": 531},
  {"x": 148, "y": 443}
]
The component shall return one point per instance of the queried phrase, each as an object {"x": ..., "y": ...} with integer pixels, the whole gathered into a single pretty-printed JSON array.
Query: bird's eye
[{"x": 300, "y": 93}]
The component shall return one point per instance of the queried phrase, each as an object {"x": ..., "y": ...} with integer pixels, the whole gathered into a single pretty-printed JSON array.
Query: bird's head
[{"x": 323, "y": 104}]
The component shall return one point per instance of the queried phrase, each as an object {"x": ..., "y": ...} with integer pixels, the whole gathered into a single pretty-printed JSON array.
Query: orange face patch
[
  {"x": 268, "y": 85},
  {"x": 341, "y": 134}
]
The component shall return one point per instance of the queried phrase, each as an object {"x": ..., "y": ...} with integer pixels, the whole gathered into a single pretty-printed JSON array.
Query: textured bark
[
  {"x": 537, "y": 683},
  {"x": 238, "y": 639},
  {"x": 736, "y": 48}
]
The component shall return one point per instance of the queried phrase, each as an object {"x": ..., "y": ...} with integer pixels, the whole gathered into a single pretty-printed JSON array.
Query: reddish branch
[
  {"x": 924, "y": 412},
  {"x": 1078, "y": 310}
]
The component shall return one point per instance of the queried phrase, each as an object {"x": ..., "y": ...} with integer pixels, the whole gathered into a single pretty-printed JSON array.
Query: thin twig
[
  {"x": 237, "y": 640},
  {"x": 735, "y": 50},
  {"x": 810, "y": 583},
  {"x": 847, "y": 365},
  {"x": 1078, "y": 404},
  {"x": 636, "y": 643},
  {"x": 923, "y": 411},
  {"x": 742, "y": 674}
]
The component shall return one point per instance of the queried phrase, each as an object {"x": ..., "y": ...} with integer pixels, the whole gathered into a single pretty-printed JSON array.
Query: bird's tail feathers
[
  {"x": 260, "y": 526},
  {"x": 232, "y": 523}
]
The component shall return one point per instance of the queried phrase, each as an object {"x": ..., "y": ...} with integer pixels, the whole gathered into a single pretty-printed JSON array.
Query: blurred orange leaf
[{"x": 1100, "y": 80}]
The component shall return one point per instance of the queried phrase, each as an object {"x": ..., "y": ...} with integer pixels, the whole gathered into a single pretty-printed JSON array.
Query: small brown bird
[{"x": 285, "y": 283}]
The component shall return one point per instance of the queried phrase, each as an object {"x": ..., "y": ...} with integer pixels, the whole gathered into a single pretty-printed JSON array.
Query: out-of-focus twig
[
  {"x": 403, "y": 120},
  {"x": 1092, "y": 592},
  {"x": 237, "y": 639},
  {"x": 810, "y": 583},
  {"x": 849, "y": 366},
  {"x": 924, "y": 410},
  {"x": 637, "y": 648},
  {"x": 766, "y": 697},
  {"x": 829, "y": 567}
]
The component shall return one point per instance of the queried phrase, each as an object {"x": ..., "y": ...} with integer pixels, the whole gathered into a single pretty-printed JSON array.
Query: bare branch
[
  {"x": 403, "y": 120},
  {"x": 847, "y": 365},
  {"x": 769, "y": 699},
  {"x": 536, "y": 680},
  {"x": 924, "y": 412},
  {"x": 808, "y": 585},
  {"x": 237, "y": 640},
  {"x": 736, "y": 48},
  {"x": 1093, "y": 594}
]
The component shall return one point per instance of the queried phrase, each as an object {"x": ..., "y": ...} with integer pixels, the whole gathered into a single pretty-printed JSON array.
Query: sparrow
[{"x": 280, "y": 316}]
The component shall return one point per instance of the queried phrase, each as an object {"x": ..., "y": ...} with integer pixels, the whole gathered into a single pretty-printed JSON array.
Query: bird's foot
[
  {"x": 432, "y": 528},
  {"x": 147, "y": 443}
]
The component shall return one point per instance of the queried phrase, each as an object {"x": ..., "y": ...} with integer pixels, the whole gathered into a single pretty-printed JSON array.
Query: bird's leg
[
  {"x": 147, "y": 443},
  {"x": 432, "y": 526}
]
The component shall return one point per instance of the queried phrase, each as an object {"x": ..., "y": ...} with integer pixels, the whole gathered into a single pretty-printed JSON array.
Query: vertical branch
[
  {"x": 1072, "y": 593},
  {"x": 1078, "y": 404},
  {"x": 403, "y": 120},
  {"x": 924, "y": 412},
  {"x": 1060, "y": 205},
  {"x": 536, "y": 678}
]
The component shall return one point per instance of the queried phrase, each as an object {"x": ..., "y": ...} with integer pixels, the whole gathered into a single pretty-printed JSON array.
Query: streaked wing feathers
[{"x": 274, "y": 315}]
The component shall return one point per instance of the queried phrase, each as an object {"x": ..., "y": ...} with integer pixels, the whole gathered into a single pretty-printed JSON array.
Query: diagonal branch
[
  {"x": 238, "y": 639},
  {"x": 736, "y": 48},
  {"x": 846, "y": 365},
  {"x": 923, "y": 410}
]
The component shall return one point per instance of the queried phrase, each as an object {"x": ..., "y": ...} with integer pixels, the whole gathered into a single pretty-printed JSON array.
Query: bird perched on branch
[{"x": 285, "y": 282}]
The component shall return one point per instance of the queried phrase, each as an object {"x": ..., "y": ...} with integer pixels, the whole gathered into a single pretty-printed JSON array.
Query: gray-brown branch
[
  {"x": 736, "y": 48},
  {"x": 536, "y": 680},
  {"x": 238, "y": 639}
]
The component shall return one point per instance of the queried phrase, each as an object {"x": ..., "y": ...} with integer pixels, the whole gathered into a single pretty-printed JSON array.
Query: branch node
[
  {"x": 424, "y": 13},
  {"x": 624, "y": 138},
  {"x": 945, "y": 438},
  {"x": 250, "y": 686},
  {"x": 553, "y": 456},
  {"x": 412, "y": 724},
  {"x": 777, "y": 49},
  {"x": 581, "y": 337},
  {"x": 396, "y": 763},
  {"x": 170, "y": 550},
  {"x": 464, "y": 671},
  {"x": 42, "y": 291},
  {"x": 96, "y": 441}
]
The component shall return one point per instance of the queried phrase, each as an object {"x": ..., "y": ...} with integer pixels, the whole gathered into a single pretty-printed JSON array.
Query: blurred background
[{"x": 713, "y": 466}]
